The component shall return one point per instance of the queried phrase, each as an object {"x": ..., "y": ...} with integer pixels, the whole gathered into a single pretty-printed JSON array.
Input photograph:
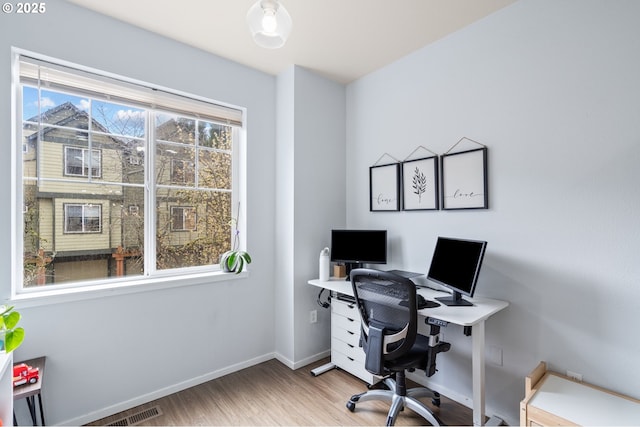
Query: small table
[{"x": 30, "y": 391}]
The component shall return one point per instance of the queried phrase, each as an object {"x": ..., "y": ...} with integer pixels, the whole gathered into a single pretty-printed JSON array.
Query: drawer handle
[
  {"x": 351, "y": 333},
  {"x": 350, "y": 320},
  {"x": 351, "y": 306},
  {"x": 353, "y": 360},
  {"x": 351, "y": 346}
]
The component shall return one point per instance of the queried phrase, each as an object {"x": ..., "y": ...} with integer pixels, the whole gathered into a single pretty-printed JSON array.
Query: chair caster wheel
[
  {"x": 436, "y": 399},
  {"x": 351, "y": 406}
]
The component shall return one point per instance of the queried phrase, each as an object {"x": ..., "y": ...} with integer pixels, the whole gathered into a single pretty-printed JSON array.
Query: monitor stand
[
  {"x": 350, "y": 266},
  {"x": 455, "y": 300}
]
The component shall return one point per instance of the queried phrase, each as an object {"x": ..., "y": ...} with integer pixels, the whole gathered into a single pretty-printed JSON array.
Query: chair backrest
[{"x": 387, "y": 306}]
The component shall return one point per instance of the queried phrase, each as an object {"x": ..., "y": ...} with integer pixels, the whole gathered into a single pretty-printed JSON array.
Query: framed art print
[
  {"x": 384, "y": 188},
  {"x": 464, "y": 180},
  {"x": 420, "y": 184}
]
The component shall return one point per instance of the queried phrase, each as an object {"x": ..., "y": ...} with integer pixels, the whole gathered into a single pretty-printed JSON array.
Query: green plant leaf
[
  {"x": 246, "y": 257},
  {"x": 240, "y": 265},
  {"x": 5, "y": 309},
  {"x": 232, "y": 261},
  {"x": 11, "y": 319},
  {"x": 13, "y": 339}
]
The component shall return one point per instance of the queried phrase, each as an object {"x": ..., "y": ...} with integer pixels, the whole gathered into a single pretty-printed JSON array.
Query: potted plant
[
  {"x": 11, "y": 335},
  {"x": 233, "y": 261}
]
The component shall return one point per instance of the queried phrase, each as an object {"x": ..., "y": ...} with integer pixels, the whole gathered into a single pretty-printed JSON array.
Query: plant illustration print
[{"x": 419, "y": 184}]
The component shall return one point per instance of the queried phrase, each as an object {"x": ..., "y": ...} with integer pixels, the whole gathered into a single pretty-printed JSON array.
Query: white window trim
[{"x": 54, "y": 294}]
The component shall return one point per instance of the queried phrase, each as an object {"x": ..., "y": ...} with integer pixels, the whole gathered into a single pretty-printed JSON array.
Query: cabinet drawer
[
  {"x": 352, "y": 366},
  {"x": 346, "y": 323},
  {"x": 349, "y": 337},
  {"x": 349, "y": 350},
  {"x": 345, "y": 309}
]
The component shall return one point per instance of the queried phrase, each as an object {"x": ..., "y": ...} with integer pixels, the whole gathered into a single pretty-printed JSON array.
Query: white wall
[
  {"x": 319, "y": 196},
  {"x": 310, "y": 166},
  {"x": 551, "y": 88},
  {"x": 107, "y": 354}
]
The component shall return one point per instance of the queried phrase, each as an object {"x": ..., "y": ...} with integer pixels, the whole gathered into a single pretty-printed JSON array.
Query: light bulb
[{"x": 269, "y": 23}]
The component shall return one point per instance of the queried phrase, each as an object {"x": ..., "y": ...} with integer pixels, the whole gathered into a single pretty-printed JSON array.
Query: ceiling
[{"x": 340, "y": 39}]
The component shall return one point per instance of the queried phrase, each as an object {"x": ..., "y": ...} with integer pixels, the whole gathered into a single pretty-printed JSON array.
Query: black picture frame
[
  {"x": 384, "y": 188},
  {"x": 420, "y": 184},
  {"x": 463, "y": 177}
]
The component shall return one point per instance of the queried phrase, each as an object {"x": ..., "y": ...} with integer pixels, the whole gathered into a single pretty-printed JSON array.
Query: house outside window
[{"x": 135, "y": 169}]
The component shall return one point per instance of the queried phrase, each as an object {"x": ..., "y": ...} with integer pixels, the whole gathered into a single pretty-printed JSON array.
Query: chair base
[{"x": 400, "y": 401}]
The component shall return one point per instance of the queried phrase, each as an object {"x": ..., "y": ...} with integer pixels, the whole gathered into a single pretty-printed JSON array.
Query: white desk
[{"x": 473, "y": 316}]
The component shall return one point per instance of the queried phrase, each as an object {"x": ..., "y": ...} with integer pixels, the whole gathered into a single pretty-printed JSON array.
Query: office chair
[{"x": 389, "y": 337}]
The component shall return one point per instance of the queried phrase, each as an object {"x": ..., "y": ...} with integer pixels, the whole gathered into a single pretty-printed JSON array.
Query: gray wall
[
  {"x": 310, "y": 176},
  {"x": 112, "y": 352},
  {"x": 551, "y": 88}
]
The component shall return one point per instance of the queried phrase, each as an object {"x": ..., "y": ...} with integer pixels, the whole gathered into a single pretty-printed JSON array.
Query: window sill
[{"x": 56, "y": 296}]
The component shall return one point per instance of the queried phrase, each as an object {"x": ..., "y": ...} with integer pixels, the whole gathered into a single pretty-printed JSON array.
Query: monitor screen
[
  {"x": 456, "y": 264},
  {"x": 357, "y": 247}
]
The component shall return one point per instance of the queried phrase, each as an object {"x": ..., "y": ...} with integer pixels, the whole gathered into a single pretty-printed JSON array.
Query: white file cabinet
[{"x": 346, "y": 352}]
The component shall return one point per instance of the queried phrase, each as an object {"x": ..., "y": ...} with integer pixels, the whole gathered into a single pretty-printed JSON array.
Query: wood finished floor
[{"x": 272, "y": 394}]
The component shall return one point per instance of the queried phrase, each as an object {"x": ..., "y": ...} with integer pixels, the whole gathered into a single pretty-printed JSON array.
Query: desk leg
[{"x": 477, "y": 362}]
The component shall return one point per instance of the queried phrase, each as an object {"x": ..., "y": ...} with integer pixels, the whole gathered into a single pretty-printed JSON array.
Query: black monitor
[
  {"x": 357, "y": 247},
  {"x": 456, "y": 265}
]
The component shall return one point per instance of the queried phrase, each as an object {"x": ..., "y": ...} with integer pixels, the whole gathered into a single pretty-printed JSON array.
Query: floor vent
[{"x": 138, "y": 417}]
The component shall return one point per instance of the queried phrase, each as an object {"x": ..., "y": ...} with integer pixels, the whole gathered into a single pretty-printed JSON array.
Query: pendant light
[{"x": 270, "y": 23}]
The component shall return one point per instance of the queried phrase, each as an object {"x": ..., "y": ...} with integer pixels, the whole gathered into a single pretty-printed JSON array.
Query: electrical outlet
[
  {"x": 574, "y": 375},
  {"x": 313, "y": 316}
]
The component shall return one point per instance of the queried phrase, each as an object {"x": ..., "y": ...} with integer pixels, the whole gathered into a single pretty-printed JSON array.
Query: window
[
  {"x": 183, "y": 218},
  {"x": 182, "y": 172},
  {"x": 120, "y": 180},
  {"x": 82, "y": 218},
  {"x": 77, "y": 162}
]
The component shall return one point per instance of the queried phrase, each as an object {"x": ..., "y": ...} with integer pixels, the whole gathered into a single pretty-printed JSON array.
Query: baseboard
[
  {"x": 303, "y": 362},
  {"x": 145, "y": 398}
]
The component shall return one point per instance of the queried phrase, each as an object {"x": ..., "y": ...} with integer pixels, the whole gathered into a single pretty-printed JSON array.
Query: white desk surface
[
  {"x": 584, "y": 405},
  {"x": 482, "y": 308}
]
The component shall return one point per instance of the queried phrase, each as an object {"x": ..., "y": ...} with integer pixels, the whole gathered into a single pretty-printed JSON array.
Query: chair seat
[{"x": 415, "y": 358}]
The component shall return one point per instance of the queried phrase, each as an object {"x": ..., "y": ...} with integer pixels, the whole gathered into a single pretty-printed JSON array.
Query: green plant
[
  {"x": 234, "y": 261},
  {"x": 13, "y": 336}
]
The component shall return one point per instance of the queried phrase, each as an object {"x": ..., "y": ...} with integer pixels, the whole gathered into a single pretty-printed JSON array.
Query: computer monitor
[
  {"x": 456, "y": 265},
  {"x": 357, "y": 247}
]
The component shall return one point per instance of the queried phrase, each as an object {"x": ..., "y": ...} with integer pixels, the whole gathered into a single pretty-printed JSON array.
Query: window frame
[
  {"x": 89, "y": 165},
  {"x": 83, "y": 217},
  {"x": 185, "y": 218},
  {"x": 153, "y": 279},
  {"x": 182, "y": 171}
]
